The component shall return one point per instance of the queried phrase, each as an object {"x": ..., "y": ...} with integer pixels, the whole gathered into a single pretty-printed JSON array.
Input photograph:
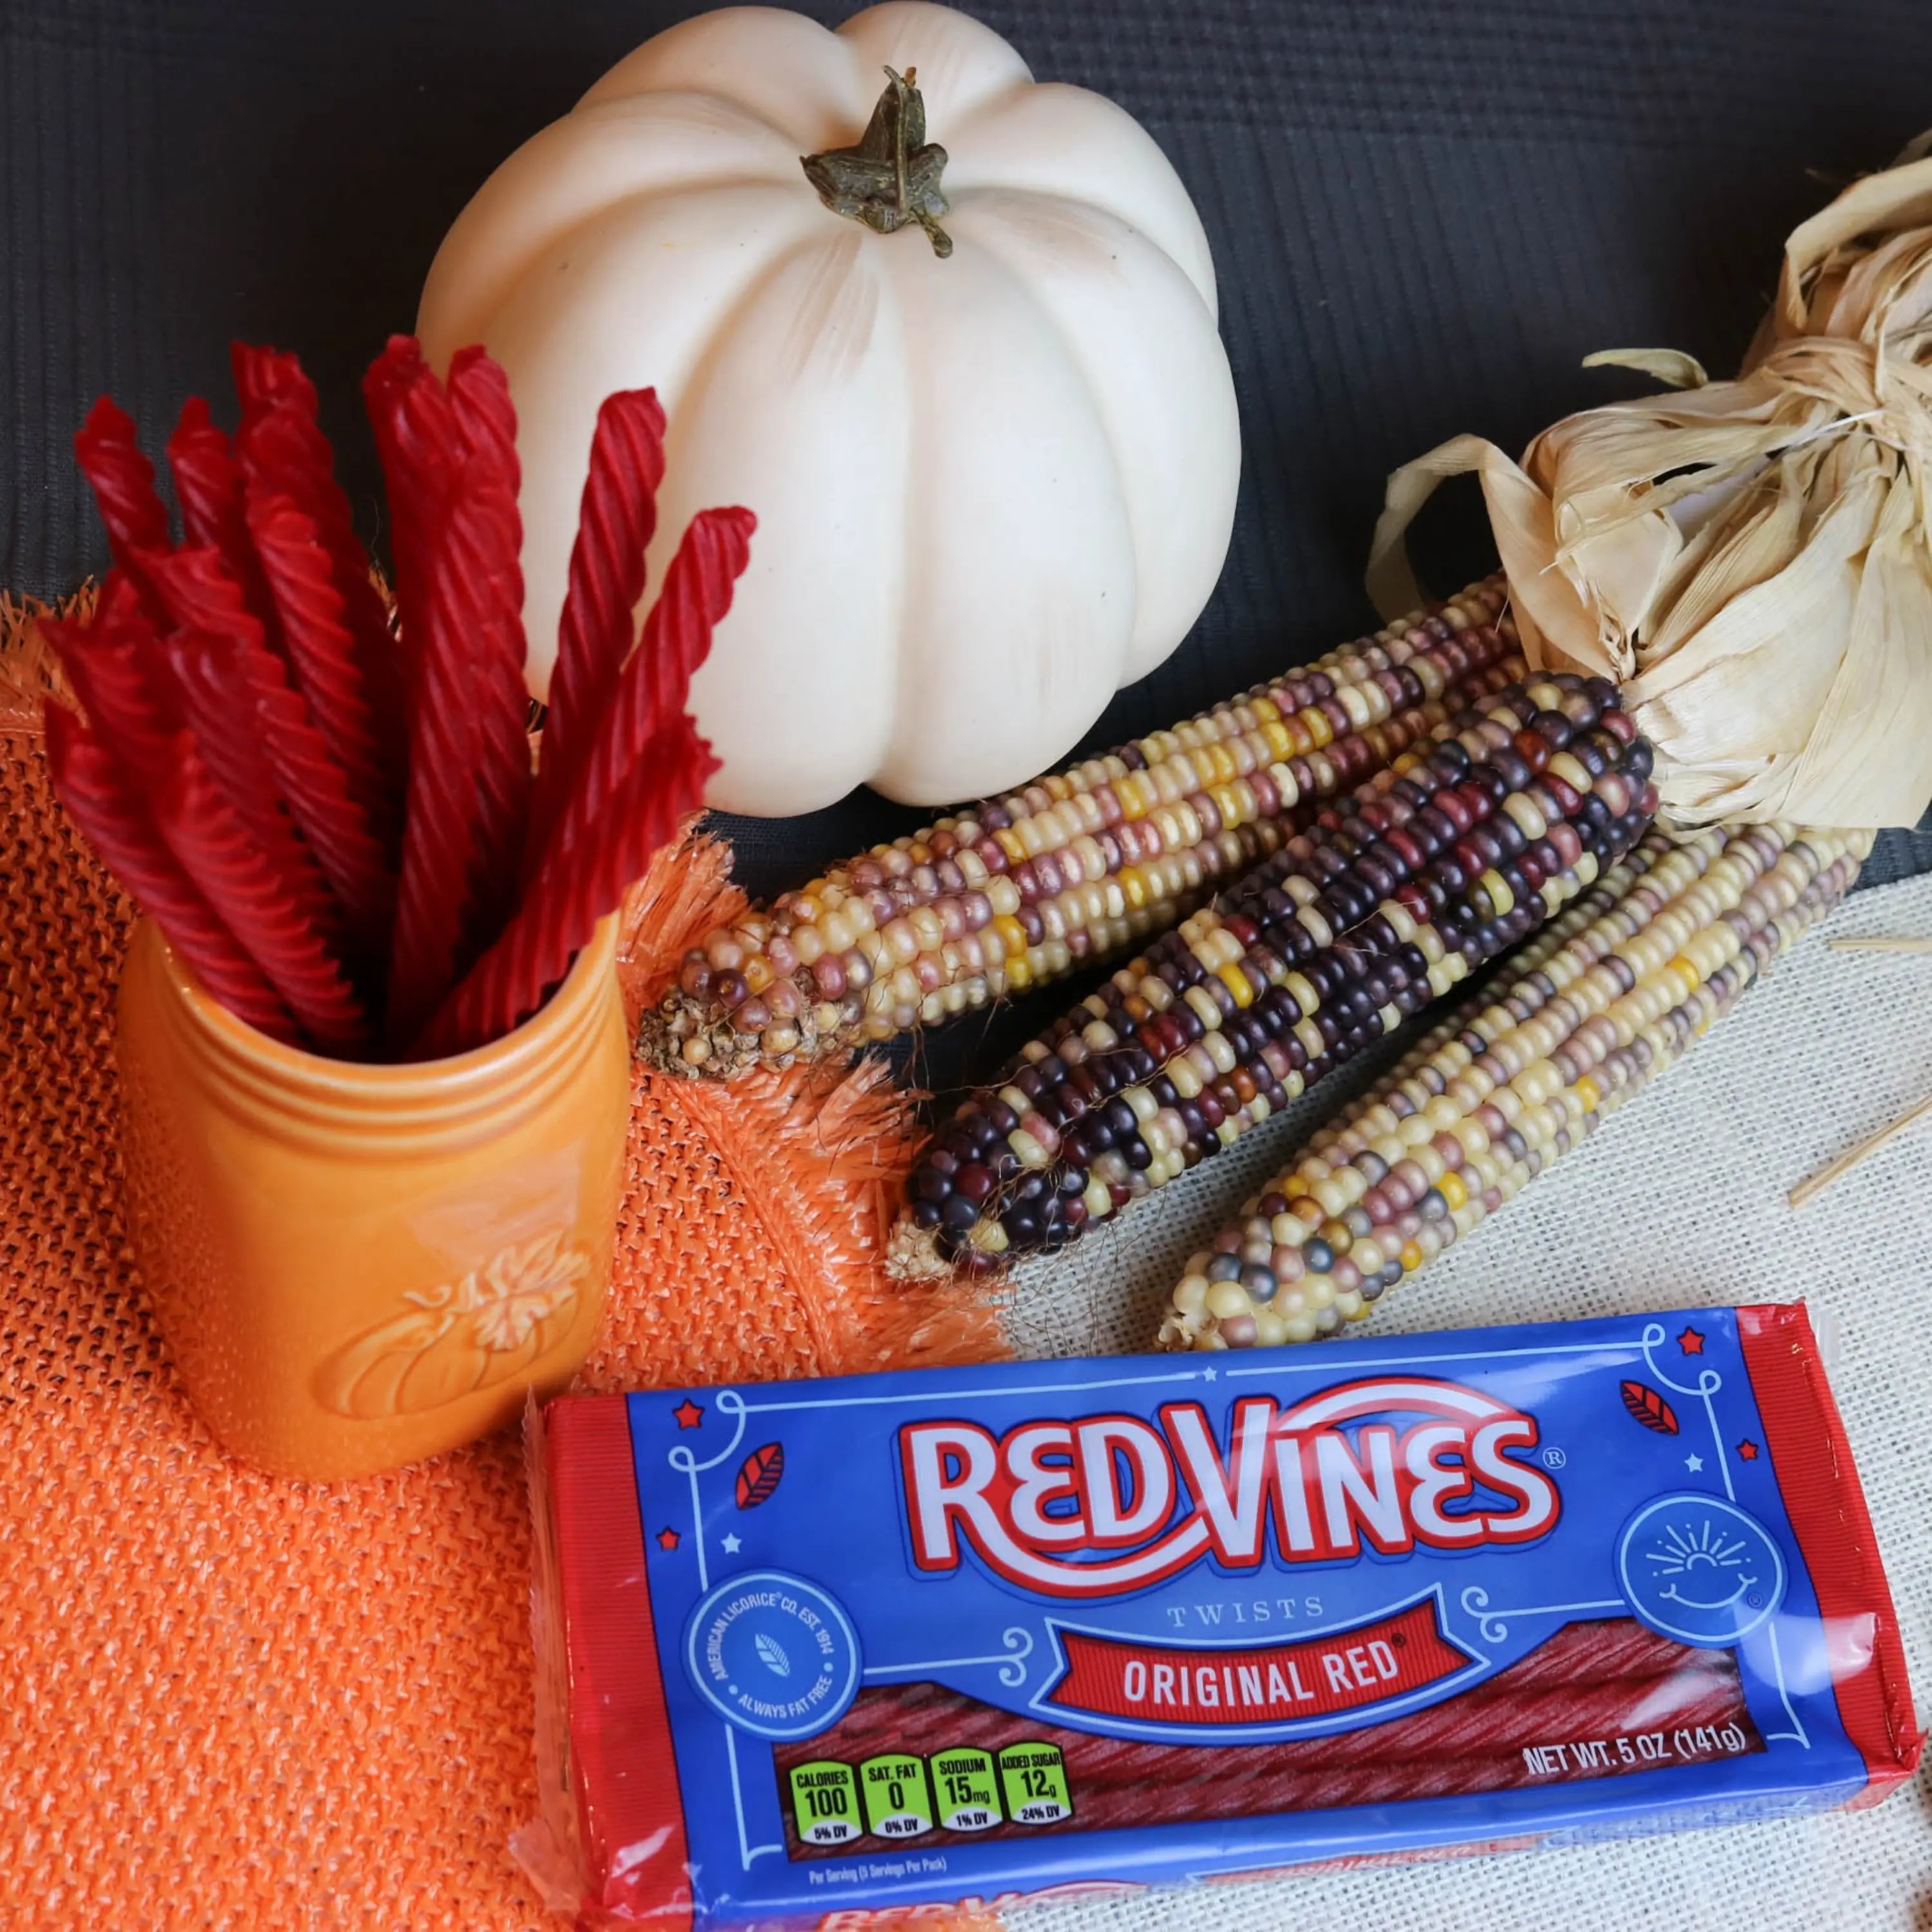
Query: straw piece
[
  {"x": 30, "y": 671},
  {"x": 616, "y": 523},
  {"x": 1808, "y": 1190},
  {"x": 88, "y": 776}
]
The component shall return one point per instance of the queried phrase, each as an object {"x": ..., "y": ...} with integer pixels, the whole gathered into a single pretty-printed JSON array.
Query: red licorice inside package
[{"x": 962, "y": 1637}]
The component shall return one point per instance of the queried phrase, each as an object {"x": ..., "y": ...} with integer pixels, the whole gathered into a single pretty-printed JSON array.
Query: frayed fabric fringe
[{"x": 816, "y": 1156}]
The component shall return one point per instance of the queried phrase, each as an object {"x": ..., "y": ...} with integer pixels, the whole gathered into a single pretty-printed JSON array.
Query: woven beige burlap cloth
[{"x": 1679, "y": 1200}]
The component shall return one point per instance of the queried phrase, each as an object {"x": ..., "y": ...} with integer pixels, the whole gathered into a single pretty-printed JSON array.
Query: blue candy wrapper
[{"x": 956, "y": 1638}]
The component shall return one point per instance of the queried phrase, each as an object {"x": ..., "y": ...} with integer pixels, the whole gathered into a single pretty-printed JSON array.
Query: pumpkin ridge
[
  {"x": 1055, "y": 676},
  {"x": 562, "y": 147},
  {"x": 1107, "y": 160},
  {"x": 702, "y": 389},
  {"x": 1087, "y": 233},
  {"x": 833, "y": 327}
]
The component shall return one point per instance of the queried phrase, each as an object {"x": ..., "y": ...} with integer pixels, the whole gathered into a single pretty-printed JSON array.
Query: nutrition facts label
[
  {"x": 897, "y": 1803},
  {"x": 968, "y": 1789},
  {"x": 1033, "y": 1778},
  {"x": 825, "y": 1803},
  {"x": 897, "y": 1795}
]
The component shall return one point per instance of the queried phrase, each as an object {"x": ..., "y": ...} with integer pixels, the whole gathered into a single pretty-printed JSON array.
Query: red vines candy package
[{"x": 813, "y": 1651}]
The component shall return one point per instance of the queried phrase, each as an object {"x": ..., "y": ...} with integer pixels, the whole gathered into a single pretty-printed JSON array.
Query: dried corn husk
[{"x": 1751, "y": 559}]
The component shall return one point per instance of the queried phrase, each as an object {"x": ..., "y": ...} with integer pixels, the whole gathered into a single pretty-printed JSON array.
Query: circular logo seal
[
  {"x": 1699, "y": 1569},
  {"x": 773, "y": 1655}
]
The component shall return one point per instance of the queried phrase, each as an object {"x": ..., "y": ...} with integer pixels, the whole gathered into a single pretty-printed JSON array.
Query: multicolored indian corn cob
[
  {"x": 1450, "y": 856},
  {"x": 1614, "y": 993},
  {"x": 1016, "y": 891}
]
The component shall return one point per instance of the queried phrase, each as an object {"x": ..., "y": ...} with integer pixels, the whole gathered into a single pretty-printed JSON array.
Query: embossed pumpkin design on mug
[
  {"x": 462, "y": 1336},
  {"x": 358, "y": 1266}
]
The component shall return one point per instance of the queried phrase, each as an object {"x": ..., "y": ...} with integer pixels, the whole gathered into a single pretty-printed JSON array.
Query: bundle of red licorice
[{"x": 337, "y": 819}]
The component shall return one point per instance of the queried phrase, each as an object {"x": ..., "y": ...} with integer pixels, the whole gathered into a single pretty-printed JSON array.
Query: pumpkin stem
[{"x": 890, "y": 179}]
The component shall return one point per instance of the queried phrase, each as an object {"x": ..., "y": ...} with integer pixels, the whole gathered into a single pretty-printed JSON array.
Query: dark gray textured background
[{"x": 1422, "y": 215}]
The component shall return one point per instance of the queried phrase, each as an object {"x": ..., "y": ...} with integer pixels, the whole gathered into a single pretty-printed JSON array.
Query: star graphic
[
  {"x": 1691, "y": 1342},
  {"x": 667, "y": 1539},
  {"x": 1207, "y": 1375},
  {"x": 1693, "y": 1463},
  {"x": 1748, "y": 1450},
  {"x": 732, "y": 1546},
  {"x": 688, "y": 1415}
]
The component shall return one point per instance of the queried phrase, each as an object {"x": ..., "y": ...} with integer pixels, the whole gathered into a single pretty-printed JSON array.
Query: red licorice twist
[
  {"x": 123, "y": 482},
  {"x": 208, "y": 486},
  {"x": 314, "y": 811},
  {"x": 218, "y": 854},
  {"x": 416, "y": 443},
  {"x": 490, "y": 533},
  {"x": 88, "y": 778},
  {"x": 336, "y": 828},
  {"x": 654, "y": 684},
  {"x": 283, "y": 451},
  {"x": 572, "y": 893},
  {"x": 116, "y": 664},
  {"x": 279, "y": 758},
  {"x": 615, "y": 525},
  {"x": 1472, "y": 1743},
  {"x": 417, "y": 439},
  {"x": 696, "y": 594},
  {"x": 219, "y": 661},
  {"x": 647, "y": 769},
  {"x": 228, "y": 737},
  {"x": 1412, "y": 1764},
  {"x": 341, "y": 872},
  {"x": 321, "y": 649}
]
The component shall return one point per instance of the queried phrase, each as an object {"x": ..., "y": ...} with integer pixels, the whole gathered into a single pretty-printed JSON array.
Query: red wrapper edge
[
  {"x": 1826, "y": 1504},
  {"x": 622, "y": 1779}
]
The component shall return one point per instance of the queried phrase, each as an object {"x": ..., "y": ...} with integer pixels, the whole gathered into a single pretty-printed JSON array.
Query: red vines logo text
[{"x": 1108, "y": 1504}]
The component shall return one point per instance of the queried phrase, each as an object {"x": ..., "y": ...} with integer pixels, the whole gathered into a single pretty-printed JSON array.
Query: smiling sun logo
[{"x": 1699, "y": 1569}]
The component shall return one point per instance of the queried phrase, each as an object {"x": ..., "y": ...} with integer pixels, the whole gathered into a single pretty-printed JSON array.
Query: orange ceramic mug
[{"x": 356, "y": 1266}]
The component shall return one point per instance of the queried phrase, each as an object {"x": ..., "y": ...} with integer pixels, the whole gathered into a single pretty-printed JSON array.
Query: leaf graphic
[
  {"x": 1649, "y": 1408},
  {"x": 772, "y": 1655},
  {"x": 758, "y": 1476}
]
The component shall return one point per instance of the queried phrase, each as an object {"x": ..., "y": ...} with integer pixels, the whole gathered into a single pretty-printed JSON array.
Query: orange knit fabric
[{"x": 230, "y": 1701}]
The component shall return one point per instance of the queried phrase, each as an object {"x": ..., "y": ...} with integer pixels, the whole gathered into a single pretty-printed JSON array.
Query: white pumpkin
[{"x": 992, "y": 486}]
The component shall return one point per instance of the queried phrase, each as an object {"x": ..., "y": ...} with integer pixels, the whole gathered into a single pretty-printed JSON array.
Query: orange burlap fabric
[{"x": 230, "y": 1701}]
